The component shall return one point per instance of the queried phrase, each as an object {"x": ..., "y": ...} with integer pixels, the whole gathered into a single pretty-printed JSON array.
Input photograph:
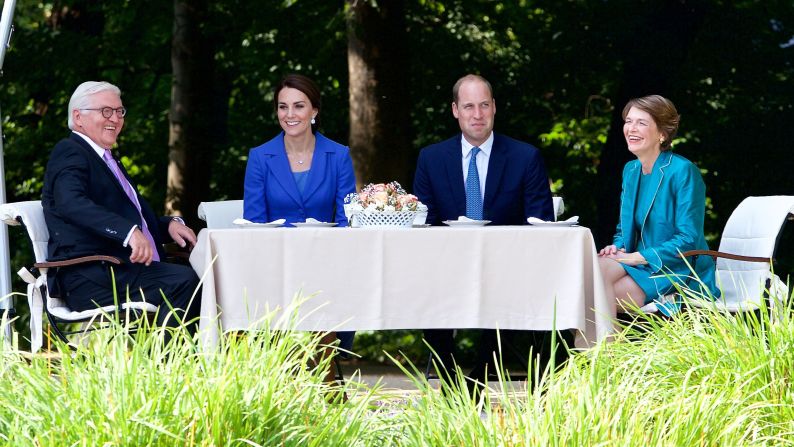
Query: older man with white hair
[{"x": 92, "y": 207}]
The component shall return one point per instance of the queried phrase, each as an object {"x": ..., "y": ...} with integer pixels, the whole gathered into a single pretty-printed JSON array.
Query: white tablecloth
[{"x": 507, "y": 277}]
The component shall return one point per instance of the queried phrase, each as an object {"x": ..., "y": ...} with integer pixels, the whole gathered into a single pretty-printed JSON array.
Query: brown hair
[
  {"x": 305, "y": 85},
  {"x": 663, "y": 112},
  {"x": 469, "y": 77}
]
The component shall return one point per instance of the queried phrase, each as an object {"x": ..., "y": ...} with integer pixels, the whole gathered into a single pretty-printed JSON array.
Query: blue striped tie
[{"x": 473, "y": 196}]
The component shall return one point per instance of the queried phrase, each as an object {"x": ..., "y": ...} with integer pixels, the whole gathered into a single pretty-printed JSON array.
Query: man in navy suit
[
  {"x": 505, "y": 183},
  {"x": 92, "y": 207}
]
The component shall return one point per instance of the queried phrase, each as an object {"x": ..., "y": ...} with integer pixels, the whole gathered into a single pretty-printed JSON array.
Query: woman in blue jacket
[
  {"x": 662, "y": 208},
  {"x": 300, "y": 173}
]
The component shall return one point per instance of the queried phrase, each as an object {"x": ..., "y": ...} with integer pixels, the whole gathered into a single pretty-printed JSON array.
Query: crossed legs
[{"x": 619, "y": 285}]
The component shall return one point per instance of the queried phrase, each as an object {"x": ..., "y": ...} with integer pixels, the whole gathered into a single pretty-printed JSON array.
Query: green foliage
[
  {"x": 264, "y": 388},
  {"x": 556, "y": 68},
  {"x": 408, "y": 347},
  {"x": 701, "y": 379}
]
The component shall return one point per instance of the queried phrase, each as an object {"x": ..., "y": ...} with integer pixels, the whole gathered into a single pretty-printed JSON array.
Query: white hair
[{"x": 80, "y": 97}]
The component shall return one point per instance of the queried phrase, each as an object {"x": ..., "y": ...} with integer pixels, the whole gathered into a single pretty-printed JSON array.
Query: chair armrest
[
  {"x": 718, "y": 254},
  {"x": 80, "y": 260}
]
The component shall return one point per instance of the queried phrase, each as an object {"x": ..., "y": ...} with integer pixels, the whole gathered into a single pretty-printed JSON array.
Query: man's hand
[
  {"x": 142, "y": 250},
  {"x": 181, "y": 234}
]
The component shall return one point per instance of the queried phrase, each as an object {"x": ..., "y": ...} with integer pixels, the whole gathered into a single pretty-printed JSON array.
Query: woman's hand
[
  {"x": 635, "y": 258},
  {"x": 620, "y": 255},
  {"x": 610, "y": 251}
]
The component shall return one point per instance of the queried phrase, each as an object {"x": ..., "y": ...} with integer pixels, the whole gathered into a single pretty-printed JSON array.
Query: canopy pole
[{"x": 6, "y": 301}]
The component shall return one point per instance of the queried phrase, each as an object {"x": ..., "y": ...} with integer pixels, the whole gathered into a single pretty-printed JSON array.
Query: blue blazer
[
  {"x": 673, "y": 223},
  {"x": 271, "y": 192},
  {"x": 516, "y": 186}
]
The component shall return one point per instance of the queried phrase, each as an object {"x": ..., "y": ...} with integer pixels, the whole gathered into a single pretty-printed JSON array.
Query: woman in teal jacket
[{"x": 662, "y": 207}]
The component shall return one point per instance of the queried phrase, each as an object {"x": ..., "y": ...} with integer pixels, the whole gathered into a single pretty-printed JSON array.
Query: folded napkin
[
  {"x": 466, "y": 219},
  {"x": 571, "y": 220},
  {"x": 312, "y": 220},
  {"x": 241, "y": 221}
]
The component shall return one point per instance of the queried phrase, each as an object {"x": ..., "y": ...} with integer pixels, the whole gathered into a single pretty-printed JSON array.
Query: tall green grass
[
  {"x": 264, "y": 388},
  {"x": 701, "y": 379}
]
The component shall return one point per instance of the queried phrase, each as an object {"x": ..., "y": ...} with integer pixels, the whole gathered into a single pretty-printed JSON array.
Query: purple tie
[{"x": 114, "y": 166}]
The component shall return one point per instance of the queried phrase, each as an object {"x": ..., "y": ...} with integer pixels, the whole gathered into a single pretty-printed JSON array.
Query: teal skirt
[{"x": 653, "y": 287}]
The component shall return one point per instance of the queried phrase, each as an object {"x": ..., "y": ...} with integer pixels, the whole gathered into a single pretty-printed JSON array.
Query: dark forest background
[{"x": 197, "y": 80}]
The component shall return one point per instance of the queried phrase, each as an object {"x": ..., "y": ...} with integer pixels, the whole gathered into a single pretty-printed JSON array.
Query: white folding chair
[
  {"x": 746, "y": 253},
  {"x": 745, "y": 257},
  {"x": 31, "y": 216},
  {"x": 220, "y": 214}
]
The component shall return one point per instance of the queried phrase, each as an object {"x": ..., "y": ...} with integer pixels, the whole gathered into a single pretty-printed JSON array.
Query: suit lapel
[
  {"x": 630, "y": 191},
  {"x": 103, "y": 167},
  {"x": 454, "y": 167},
  {"x": 496, "y": 167},
  {"x": 657, "y": 176},
  {"x": 278, "y": 164}
]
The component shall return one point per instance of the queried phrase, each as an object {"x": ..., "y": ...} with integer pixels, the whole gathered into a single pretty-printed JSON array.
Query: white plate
[
  {"x": 467, "y": 223},
  {"x": 259, "y": 225},
  {"x": 555, "y": 224},
  {"x": 314, "y": 224}
]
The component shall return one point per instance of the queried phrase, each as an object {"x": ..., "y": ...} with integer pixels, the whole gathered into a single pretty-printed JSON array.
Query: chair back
[
  {"x": 31, "y": 215},
  {"x": 220, "y": 214},
  {"x": 753, "y": 229}
]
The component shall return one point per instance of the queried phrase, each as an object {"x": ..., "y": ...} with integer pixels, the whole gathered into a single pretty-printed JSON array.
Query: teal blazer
[{"x": 673, "y": 222}]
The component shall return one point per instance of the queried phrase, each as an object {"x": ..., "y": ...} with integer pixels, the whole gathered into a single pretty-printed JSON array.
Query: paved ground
[
  {"x": 392, "y": 379},
  {"x": 390, "y": 376}
]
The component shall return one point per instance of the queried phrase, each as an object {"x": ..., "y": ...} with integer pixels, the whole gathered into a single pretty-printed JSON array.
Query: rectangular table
[{"x": 506, "y": 277}]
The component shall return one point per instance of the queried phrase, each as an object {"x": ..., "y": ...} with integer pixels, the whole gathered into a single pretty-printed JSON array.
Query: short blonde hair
[{"x": 663, "y": 112}]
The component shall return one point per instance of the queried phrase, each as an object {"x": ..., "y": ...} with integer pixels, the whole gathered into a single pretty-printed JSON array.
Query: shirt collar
[
  {"x": 485, "y": 147},
  {"x": 99, "y": 150}
]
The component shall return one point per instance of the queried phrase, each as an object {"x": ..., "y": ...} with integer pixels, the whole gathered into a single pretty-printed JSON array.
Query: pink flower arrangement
[{"x": 383, "y": 197}]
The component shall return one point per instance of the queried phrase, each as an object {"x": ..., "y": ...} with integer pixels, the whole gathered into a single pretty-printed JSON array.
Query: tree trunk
[
  {"x": 195, "y": 127},
  {"x": 649, "y": 68},
  {"x": 378, "y": 91}
]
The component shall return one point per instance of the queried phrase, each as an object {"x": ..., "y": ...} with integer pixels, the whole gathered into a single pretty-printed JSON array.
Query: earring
[
  {"x": 661, "y": 140},
  {"x": 313, "y": 121}
]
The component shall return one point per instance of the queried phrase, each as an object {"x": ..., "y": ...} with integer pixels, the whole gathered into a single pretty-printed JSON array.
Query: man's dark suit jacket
[
  {"x": 516, "y": 186},
  {"x": 88, "y": 212}
]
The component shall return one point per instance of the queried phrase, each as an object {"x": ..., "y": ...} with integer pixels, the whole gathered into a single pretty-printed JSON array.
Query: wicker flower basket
[{"x": 403, "y": 219}]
